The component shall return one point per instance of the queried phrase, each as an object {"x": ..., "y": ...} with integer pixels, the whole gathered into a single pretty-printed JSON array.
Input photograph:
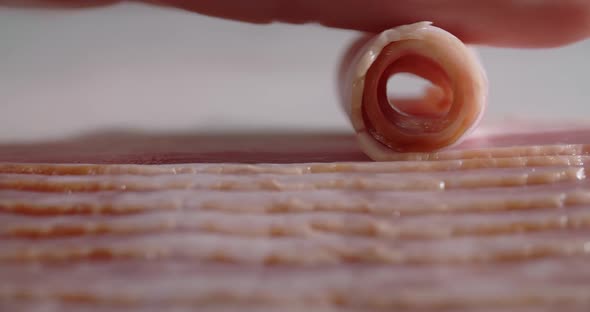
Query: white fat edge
[
  {"x": 374, "y": 47},
  {"x": 483, "y": 85}
]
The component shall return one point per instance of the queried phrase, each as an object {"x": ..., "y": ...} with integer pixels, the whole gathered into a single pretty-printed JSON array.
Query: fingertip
[
  {"x": 574, "y": 23},
  {"x": 547, "y": 25},
  {"x": 61, "y": 4}
]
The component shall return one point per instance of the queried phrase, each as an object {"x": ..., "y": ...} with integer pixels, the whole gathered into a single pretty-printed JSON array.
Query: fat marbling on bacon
[{"x": 449, "y": 110}]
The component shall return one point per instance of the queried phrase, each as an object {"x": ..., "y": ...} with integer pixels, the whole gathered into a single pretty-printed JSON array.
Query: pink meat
[{"x": 482, "y": 227}]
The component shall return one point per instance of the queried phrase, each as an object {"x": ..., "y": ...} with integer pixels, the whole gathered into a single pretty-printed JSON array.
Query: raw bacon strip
[
  {"x": 352, "y": 286},
  {"x": 296, "y": 169},
  {"x": 539, "y": 300},
  {"x": 451, "y": 108},
  {"x": 471, "y": 149},
  {"x": 505, "y": 141},
  {"x": 305, "y": 224},
  {"x": 547, "y": 305},
  {"x": 292, "y": 202},
  {"x": 375, "y": 182},
  {"x": 485, "y": 143},
  {"x": 322, "y": 249},
  {"x": 569, "y": 270}
]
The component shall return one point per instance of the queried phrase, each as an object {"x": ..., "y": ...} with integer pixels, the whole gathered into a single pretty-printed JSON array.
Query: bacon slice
[
  {"x": 450, "y": 109},
  {"x": 318, "y": 181},
  {"x": 183, "y": 284}
]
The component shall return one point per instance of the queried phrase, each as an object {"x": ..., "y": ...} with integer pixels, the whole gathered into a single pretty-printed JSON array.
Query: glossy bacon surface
[
  {"x": 451, "y": 108},
  {"x": 480, "y": 228}
]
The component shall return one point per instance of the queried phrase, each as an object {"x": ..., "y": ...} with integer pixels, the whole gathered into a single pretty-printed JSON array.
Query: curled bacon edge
[{"x": 459, "y": 91}]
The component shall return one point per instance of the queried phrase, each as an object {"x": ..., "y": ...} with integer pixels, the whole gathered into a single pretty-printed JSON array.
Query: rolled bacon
[{"x": 449, "y": 110}]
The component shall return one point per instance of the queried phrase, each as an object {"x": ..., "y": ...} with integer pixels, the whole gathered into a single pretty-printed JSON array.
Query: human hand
[{"x": 515, "y": 23}]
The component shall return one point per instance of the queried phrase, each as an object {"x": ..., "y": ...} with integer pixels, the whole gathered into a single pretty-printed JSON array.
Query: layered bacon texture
[
  {"x": 449, "y": 109},
  {"x": 506, "y": 233}
]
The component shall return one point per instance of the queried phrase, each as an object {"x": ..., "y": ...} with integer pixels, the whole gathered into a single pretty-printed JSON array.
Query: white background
[{"x": 71, "y": 72}]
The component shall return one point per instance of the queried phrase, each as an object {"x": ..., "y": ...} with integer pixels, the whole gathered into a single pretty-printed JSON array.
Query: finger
[
  {"x": 518, "y": 23},
  {"x": 73, "y": 4}
]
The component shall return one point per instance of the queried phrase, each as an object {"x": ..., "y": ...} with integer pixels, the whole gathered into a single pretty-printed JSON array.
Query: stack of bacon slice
[{"x": 508, "y": 233}]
